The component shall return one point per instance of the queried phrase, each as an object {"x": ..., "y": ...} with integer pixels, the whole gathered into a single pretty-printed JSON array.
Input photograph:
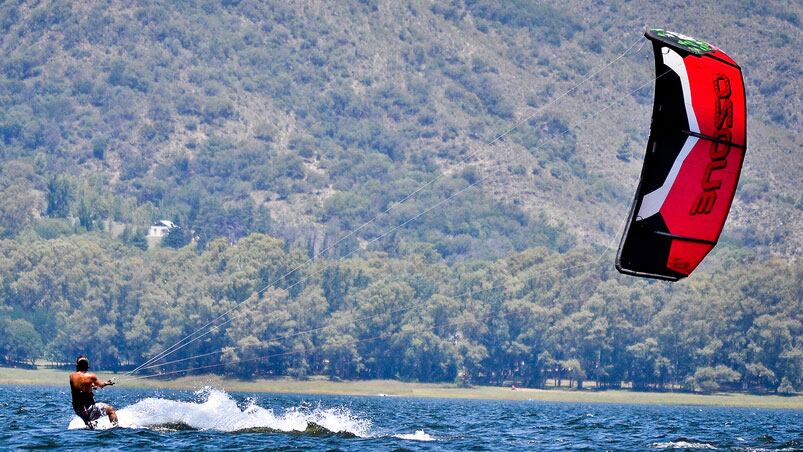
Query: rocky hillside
[{"x": 305, "y": 119}]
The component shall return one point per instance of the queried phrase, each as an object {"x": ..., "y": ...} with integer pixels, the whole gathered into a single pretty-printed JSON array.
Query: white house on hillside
[{"x": 160, "y": 228}]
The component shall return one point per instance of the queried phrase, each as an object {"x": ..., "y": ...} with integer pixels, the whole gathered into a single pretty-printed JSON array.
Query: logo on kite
[
  {"x": 723, "y": 119},
  {"x": 687, "y": 42}
]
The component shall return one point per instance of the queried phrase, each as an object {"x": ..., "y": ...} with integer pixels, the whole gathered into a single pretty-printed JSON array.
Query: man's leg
[
  {"x": 104, "y": 409},
  {"x": 112, "y": 414}
]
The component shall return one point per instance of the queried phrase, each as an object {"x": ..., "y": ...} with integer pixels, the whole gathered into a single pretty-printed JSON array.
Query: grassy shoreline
[{"x": 321, "y": 385}]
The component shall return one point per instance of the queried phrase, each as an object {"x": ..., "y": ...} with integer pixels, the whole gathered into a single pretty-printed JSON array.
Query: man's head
[{"x": 82, "y": 364}]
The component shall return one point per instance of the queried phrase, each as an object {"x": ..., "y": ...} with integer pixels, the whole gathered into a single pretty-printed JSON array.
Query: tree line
[{"x": 530, "y": 319}]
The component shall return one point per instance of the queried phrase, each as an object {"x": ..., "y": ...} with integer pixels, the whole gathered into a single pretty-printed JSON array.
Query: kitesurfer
[{"x": 82, "y": 385}]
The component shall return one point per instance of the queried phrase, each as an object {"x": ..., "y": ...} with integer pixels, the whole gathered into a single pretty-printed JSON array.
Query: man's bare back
[{"x": 85, "y": 381}]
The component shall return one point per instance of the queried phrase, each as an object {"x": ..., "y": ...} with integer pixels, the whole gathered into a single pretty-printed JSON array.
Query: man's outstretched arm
[{"x": 100, "y": 384}]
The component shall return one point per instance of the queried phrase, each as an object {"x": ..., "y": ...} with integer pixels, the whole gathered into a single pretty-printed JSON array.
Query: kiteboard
[{"x": 76, "y": 423}]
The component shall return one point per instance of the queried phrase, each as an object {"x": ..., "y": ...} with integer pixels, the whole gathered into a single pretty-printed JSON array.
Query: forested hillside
[{"x": 272, "y": 132}]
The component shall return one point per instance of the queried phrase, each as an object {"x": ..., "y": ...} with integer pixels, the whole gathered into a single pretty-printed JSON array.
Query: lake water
[{"x": 41, "y": 418}]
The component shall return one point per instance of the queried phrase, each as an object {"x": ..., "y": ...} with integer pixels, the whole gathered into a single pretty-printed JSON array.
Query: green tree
[
  {"x": 86, "y": 211},
  {"x": 20, "y": 205},
  {"x": 644, "y": 358},
  {"x": 786, "y": 387},
  {"x": 19, "y": 341},
  {"x": 758, "y": 376},
  {"x": 177, "y": 237},
  {"x": 713, "y": 379},
  {"x": 138, "y": 240},
  {"x": 59, "y": 197},
  {"x": 574, "y": 372}
]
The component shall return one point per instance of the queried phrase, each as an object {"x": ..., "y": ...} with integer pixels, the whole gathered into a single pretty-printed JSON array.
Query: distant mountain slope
[{"x": 305, "y": 120}]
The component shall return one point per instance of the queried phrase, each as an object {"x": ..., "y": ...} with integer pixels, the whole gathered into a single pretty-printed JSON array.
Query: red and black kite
[{"x": 694, "y": 156}]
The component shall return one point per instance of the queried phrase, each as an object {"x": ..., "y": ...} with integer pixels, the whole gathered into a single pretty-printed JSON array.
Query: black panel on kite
[{"x": 697, "y": 144}]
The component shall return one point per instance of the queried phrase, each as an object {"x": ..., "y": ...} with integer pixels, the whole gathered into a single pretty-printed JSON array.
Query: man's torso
[{"x": 81, "y": 389}]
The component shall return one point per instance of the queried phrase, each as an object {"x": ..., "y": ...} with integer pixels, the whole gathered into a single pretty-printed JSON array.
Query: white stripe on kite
[{"x": 652, "y": 202}]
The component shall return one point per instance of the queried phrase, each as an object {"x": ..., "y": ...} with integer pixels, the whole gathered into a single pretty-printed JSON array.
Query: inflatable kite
[{"x": 694, "y": 156}]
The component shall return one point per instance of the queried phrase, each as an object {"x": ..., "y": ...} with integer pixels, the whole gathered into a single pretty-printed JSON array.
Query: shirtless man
[{"x": 82, "y": 385}]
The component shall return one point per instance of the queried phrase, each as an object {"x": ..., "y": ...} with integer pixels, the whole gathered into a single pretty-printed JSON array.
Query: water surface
[{"x": 33, "y": 417}]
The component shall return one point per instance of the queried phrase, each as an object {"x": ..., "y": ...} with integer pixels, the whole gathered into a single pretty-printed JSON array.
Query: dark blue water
[{"x": 39, "y": 417}]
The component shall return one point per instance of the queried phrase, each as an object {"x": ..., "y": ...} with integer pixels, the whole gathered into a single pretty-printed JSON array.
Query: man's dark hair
[{"x": 82, "y": 363}]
